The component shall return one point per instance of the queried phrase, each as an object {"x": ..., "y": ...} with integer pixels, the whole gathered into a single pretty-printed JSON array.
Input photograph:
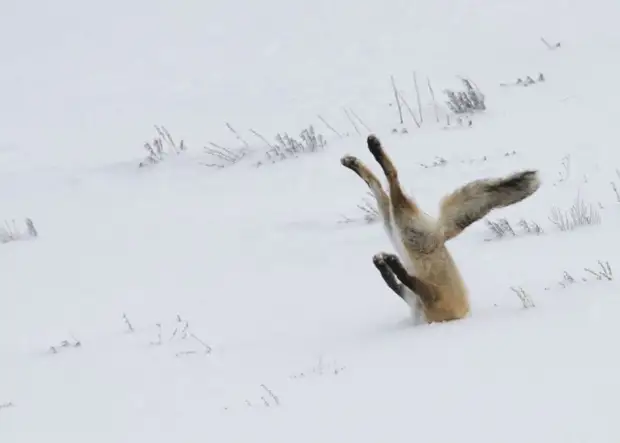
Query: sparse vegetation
[
  {"x": 462, "y": 103},
  {"x": 550, "y": 46},
  {"x": 578, "y": 215},
  {"x": 7, "y": 405},
  {"x": 604, "y": 272},
  {"x": 162, "y": 146},
  {"x": 564, "y": 173},
  {"x": 526, "y": 81},
  {"x": 180, "y": 332},
  {"x": 468, "y": 101},
  {"x": 75, "y": 343},
  {"x": 525, "y": 298},
  {"x": 11, "y": 231},
  {"x": 282, "y": 148},
  {"x": 268, "y": 399},
  {"x": 224, "y": 156},
  {"x": 286, "y": 147},
  {"x": 321, "y": 368},
  {"x": 615, "y": 188},
  {"x": 370, "y": 213},
  {"x": 502, "y": 228},
  {"x": 567, "y": 279},
  {"x": 530, "y": 227},
  {"x": 128, "y": 323},
  {"x": 441, "y": 161},
  {"x": 271, "y": 397}
]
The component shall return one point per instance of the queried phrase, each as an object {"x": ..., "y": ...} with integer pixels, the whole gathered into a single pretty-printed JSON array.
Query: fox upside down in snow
[{"x": 429, "y": 280}]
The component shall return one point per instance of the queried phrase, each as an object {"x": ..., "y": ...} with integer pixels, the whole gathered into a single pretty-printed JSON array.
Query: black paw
[
  {"x": 379, "y": 259},
  {"x": 392, "y": 261},
  {"x": 375, "y": 148}
]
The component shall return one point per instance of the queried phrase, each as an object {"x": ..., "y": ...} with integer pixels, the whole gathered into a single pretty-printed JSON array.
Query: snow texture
[{"x": 188, "y": 303}]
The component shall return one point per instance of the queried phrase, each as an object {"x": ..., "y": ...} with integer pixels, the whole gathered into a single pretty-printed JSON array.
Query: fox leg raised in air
[
  {"x": 383, "y": 201},
  {"x": 417, "y": 232},
  {"x": 399, "y": 200}
]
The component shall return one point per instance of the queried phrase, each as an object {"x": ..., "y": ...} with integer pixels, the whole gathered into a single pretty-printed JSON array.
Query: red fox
[{"x": 429, "y": 280}]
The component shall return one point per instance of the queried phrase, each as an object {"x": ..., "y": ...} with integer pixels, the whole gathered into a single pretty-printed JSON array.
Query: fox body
[{"x": 424, "y": 273}]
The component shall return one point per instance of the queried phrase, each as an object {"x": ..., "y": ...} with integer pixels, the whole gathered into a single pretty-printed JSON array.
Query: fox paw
[
  {"x": 374, "y": 146},
  {"x": 350, "y": 162},
  {"x": 391, "y": 260},
  {"x": 379, "y": 259}
]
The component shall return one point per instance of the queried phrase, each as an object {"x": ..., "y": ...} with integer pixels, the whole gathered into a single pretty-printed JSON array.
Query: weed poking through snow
[
  {"x": 268, "y": 399},
  {"x": 578, "y": 215},
  {"x": 180, "y": 333},
  {"x": 65, "y": 344},
  {"x": 370, "y": 213},
  {"x": 320, "y": 369},
  {"x": 525, "y": 298},
  {"x": 7, "y": 405},
  {"x": 603, "y": 273},
  {"x": 12, "y": 232},
  {"x": 286, "y": 147},
  {"x": 468, "y": 101},
  {"x": 128, "y": 323},
  {"x": 162, "y": 146},
  {"x": 615, "y": 188},
  {"x": 502, "y": 228}
]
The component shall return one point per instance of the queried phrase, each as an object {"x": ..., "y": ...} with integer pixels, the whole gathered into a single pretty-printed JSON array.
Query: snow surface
[{"x": 285, "y": 332}]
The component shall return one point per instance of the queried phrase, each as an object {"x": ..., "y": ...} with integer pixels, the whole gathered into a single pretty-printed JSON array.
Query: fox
[{"x": 423, "y": 273}]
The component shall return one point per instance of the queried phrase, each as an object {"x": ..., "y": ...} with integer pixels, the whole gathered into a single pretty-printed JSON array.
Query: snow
[{"x": 285, "y": 332}]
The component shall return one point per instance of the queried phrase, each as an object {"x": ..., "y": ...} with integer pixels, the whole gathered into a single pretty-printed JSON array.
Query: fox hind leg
[
  {"x": 399, "y": 200},
  {"x": 417, "y": 233},
  {"x": 383, "y": 201}
]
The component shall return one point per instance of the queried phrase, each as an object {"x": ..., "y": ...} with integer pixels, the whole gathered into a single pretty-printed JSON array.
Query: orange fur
[{"x": 429, "y": 278}]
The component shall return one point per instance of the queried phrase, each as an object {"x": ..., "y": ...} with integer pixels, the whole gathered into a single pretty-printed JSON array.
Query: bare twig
[
  {"x": 360, "y": 120},
  {"x": 271, "y": 394},
  {"x": 417, "y": 93},
  {"x": 604, "y": 273},
  {"x": 526, "y": 300},
  {"x": 430, "y": 88},
  {"x": 208, "y": 348},
  {"x": 352, "y": 121},
  {"x": 237, "y": 135},
  {"x": 415, "y": 119},
  {"x": 614, "y": 187},
  {"x": 549, "y": 46},
  {"x": 128, "y": 323},
  {"x": 330, "y": 127},
  {"x": 396, "y": 97},
  {"x": 262, "y": 138}
]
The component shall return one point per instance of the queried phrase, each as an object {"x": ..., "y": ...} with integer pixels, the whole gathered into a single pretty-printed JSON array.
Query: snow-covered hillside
[{"x": 182, "y": 302}]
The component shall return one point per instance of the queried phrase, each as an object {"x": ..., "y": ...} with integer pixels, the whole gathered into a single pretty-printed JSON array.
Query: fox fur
[{"x": 427, "y": 278}]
